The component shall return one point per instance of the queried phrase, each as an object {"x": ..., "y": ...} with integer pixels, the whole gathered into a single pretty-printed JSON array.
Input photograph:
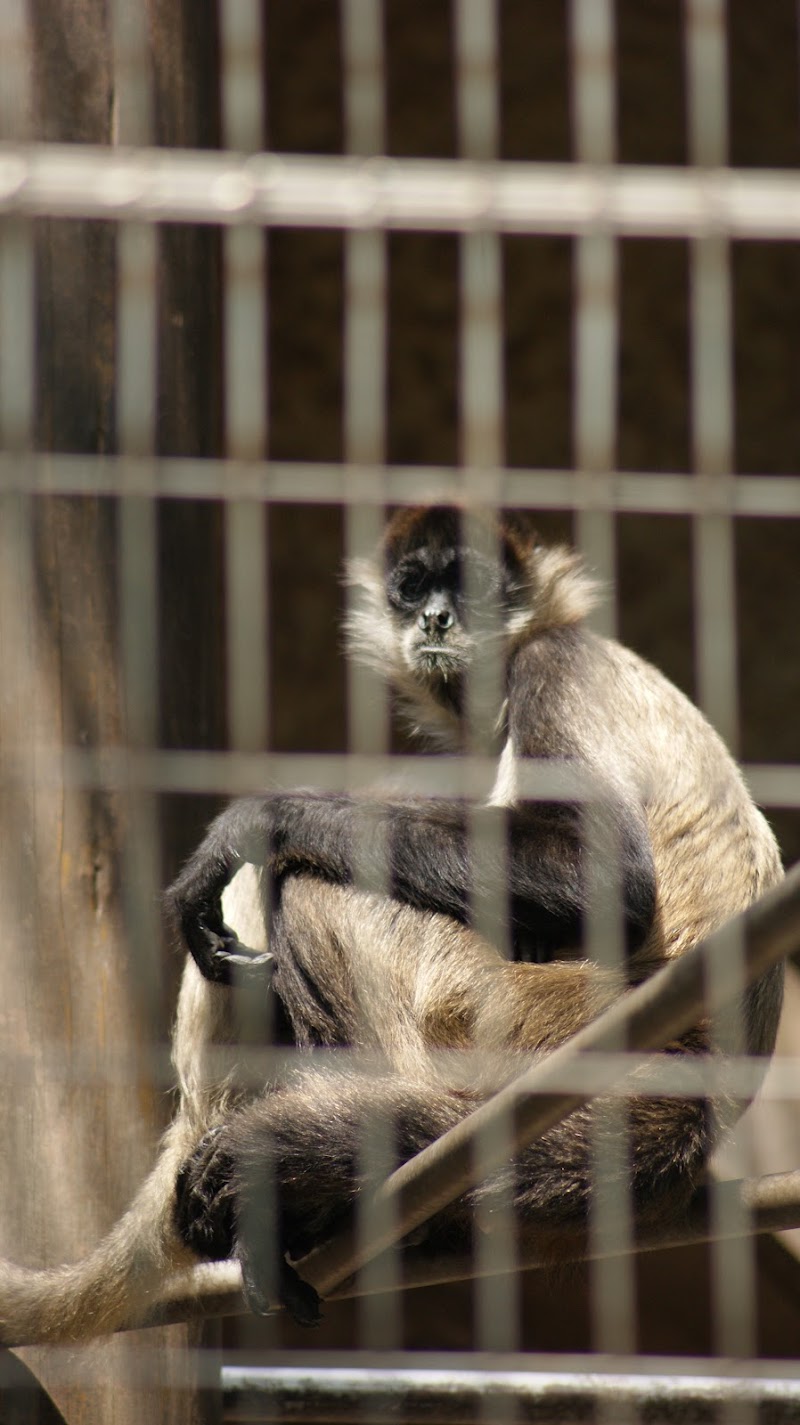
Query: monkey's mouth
[{"x": 438, "y": 658}]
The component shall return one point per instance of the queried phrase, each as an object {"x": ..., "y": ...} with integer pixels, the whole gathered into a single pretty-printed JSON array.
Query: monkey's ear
[{"x": 520, "y": 530}]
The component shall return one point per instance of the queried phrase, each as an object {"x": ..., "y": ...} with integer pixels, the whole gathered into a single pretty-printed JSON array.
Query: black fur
[
  {"x": 299, "y": 1149},
  {"x": 424, "y": 854}
]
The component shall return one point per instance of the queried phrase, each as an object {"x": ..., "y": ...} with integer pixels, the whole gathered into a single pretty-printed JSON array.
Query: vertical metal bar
[
  {"x": 136, "y": 368},
  {"x": 364, "y": 339},
  {"x": 481, "y": 373},
  {"x": 246, "y": 521},
  {"x": 16, "y": 335},
  {"x": 241, "y": 42},
  {"x": 482, "y": 395},
  {"x": 595, "y": 421},
  {"x": 20, "y": 687},
  {"x": 482, "y": 404},
  {"x": 712, "y": 374},
  {"x": 16, "y": 251},
  {"x": 138, "y": 575},
  {"x": 136, "y": 365},
  {"x": 733, "y": 1265},
  {"x": 17, "y": 375},
  {"x": 365, "y": 278},
  {"x": 245, "y": 392},
  {"x": 714, "y": 556},
  {"x": 15, "y": 94},
  {"x": 595, "y": 297}
]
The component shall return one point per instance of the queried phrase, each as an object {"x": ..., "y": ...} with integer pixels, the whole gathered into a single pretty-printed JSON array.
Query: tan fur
[{"x": 124, "y": 1277}]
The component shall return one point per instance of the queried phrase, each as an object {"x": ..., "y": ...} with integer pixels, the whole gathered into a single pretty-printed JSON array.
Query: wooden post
[{"x": 84, "y": 1105}]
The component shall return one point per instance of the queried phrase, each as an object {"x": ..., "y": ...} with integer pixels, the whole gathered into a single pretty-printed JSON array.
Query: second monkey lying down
[{"x": 399, "y": 971}]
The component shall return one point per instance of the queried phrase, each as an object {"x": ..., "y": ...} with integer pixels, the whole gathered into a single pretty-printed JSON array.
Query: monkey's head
[
  {"x": 452, "y": 581},
  {"x": 444, "y": 585}
]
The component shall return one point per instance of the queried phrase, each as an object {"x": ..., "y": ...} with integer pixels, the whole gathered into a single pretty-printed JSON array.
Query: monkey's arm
[{"x": 432, "y": 855}]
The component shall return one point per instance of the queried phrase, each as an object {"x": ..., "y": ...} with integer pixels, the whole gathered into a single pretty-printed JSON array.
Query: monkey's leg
[
  {"x": 278, "y": 1176},
  {"x": 292, "y": 1167},
  {"x": 281, "y": 1175},
  {"x": 286, "y": 1169}
]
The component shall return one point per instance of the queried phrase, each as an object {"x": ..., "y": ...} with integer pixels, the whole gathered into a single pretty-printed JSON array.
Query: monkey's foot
[
  {"x": 205, "y": 1200},
  {"x": 263, "y": 1280}
]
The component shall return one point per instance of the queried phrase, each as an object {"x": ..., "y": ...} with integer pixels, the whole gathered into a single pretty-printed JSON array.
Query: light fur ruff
[{"x": 411, "y": 986}]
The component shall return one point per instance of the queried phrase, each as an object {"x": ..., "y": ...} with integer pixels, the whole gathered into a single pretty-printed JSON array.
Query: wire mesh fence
[{"x": 247, "y": 306}]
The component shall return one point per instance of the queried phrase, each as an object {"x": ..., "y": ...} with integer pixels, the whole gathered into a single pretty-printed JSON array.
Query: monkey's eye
[{"x": 409, "y": 585}]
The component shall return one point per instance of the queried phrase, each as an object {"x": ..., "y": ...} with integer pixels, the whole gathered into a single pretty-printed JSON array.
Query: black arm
[{"x": 429, "y": 854}]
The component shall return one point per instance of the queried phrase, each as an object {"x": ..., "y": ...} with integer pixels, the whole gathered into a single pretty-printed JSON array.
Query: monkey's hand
[
  {"x": 219, "y": 953},
  {"x": 206, "y": 1216},
  {"x": 194, "y": 901}
]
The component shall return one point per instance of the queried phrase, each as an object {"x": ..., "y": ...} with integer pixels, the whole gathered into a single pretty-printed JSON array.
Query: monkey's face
[
  {"x": 445, "y": 590},
  {"x": 446, "y": 601}
]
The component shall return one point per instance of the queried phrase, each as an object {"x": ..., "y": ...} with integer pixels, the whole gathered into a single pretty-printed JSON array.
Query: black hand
[
  {"x": 195, "y": 904},
  {"x": 219, "y": 953}
]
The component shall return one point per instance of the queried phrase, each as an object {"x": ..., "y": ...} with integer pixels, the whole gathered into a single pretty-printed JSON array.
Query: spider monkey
[{"x": 371, "y": 904}]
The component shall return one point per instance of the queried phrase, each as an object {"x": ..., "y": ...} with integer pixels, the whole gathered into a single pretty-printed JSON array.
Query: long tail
[
  {"x": 117, "y": 1282},
  {"x": 122, "y": 1278}
]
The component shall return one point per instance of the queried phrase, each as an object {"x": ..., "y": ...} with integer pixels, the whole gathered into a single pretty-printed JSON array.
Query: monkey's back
[{"x": 714, "y": 852}]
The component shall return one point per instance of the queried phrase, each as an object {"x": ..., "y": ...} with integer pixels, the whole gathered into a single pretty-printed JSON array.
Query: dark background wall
[{"x": 655, "y": 583}]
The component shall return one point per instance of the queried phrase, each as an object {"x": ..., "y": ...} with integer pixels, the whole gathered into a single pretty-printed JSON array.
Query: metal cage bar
[{"x": 366, "y": 195}]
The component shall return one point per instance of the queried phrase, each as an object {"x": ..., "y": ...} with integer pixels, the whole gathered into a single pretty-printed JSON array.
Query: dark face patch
[{"x": 428, "y": 559}]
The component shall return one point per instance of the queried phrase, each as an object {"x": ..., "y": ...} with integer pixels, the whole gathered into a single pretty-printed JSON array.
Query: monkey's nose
[{"x": 435, "y": 620}]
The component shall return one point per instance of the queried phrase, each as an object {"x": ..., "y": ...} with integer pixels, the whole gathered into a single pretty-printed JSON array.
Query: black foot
[
  {"x": 205, "y": 1202},
  {"x": 298, "y": 1297}
]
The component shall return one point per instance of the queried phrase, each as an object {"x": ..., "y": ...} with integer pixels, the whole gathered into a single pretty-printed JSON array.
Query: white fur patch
[
  {"x": 242, "y": 908},
  {"x": 505, "y": 791}
]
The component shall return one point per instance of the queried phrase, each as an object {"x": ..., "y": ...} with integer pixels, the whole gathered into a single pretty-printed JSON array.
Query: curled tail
[{"x": 114, "y": 1284}]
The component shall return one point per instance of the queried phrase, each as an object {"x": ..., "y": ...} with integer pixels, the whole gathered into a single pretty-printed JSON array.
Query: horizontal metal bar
[
  {"x": 455, "y": 1394},
  {"x": 231, "y": 772},
  {"x": 774, "y": 786},
  {"x": 303, "y": 482},
  {"x": 228, "y": 773},
  {"x": 680, "y": 1076},
  {"x": 282, "y": 190}
]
